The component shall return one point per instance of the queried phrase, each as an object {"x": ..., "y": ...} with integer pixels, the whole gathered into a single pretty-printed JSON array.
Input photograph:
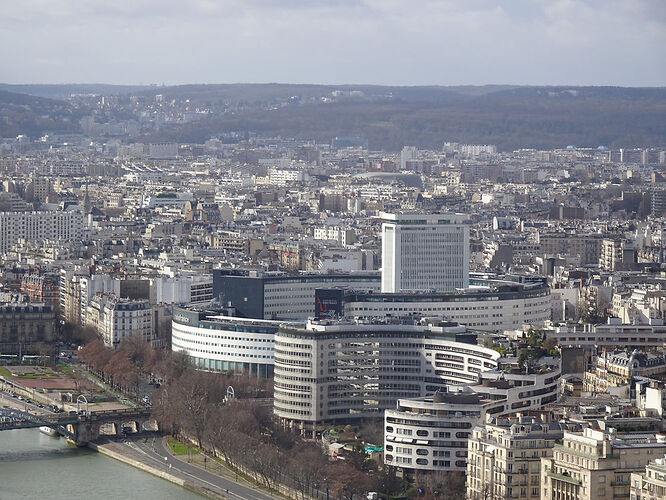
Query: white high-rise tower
[
  {"x": 407, "y": 153},
  {"x": 424, "y": 252}
]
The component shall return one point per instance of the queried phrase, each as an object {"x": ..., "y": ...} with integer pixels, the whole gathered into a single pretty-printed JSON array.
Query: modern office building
[
  {"x": 597, "y": 464},
  {"x": 185, "y": 289},
  {"x": 259, "y": 295},
  {"x": 340, "y": 371},
  {"x": 408, "y": 153},
  {"x": 489, "y": 305},
  {"x": 61, "y": 226},
  {"x": 433, "y": 431},
  {"x": 504, "y": 457},
  {"x": 612, "y": 334},
  {"x": 217, "y": 342},
  {"x": 424, "y": 252}
]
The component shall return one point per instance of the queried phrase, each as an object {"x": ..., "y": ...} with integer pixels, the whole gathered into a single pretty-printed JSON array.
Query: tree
[
  {"x": 347, "y": 481},
  {"x": 307, "y": 465},
  {"x": 358, "y": 458},
  {"x": 385, "y": 481},
  {"x": 137, "y": 350}
]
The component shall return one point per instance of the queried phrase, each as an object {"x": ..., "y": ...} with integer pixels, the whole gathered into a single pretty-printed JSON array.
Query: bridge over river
[{"x": 81, "y": 427}]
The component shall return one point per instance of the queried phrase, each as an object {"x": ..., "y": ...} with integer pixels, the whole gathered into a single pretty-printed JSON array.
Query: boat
[{"x": 48, "y": 431}]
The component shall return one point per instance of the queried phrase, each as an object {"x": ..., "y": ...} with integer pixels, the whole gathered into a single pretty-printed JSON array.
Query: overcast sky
[{"x": 403, "y": 42}]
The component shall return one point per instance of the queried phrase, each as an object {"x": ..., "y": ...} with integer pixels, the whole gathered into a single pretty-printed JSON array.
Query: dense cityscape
[
  {"x": 331, "y": 321},
  {"x": 333, "y": 250}
]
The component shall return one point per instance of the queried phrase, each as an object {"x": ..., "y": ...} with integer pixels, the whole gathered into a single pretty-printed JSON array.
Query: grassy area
[
  {"x": 180, "y": 448},
  {"x": 198, "y": 459},
  {"x": 63, "y": 368},
  {"x": 4, "y": 372}
]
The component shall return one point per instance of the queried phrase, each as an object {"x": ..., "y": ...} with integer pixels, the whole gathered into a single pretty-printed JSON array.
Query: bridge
[{"x": 81, "y": 427}]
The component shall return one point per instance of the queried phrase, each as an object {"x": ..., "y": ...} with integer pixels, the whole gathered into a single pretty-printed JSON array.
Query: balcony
[{"x": 562, "y": 477}]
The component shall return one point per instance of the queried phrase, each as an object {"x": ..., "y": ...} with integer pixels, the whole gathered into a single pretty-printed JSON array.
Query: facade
[
  {"x": 121, "y": 319},
  {"x": 342, "y": 371},
  {"x": 586, "y": 246},
  {"x": 612, "y": 334},
  {"x": 424, "y": 252},
  {"x": 457, "y": 410},
  {"x": 216, "y": 342},
  {"x": 614, "y": 371},
  {"x": 504, "y": 457},
  {"x": 41, "y": 288},
  {"x": 61, "y": 226},
  {"x": 494, "y": 305},
  {"x": 651, "y": 484},
  {"x": 344, "y": 236},
  {"x": 24, "y": 325},
  {"x": 429, "y": 433},
  {"x": 193, "y": 289},
  {"x": 597, "y": 464},
  {"x": 92, "y": 286},
  {"x": 282, "y": 296},
  {"x": 70, "y": 297}
]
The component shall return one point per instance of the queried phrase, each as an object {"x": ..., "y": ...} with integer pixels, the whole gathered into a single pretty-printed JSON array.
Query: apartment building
[
  {"x": 597, "y": 464},
  {"x": 60, "y": 226},
  {"x": 25, "y": 325},
  {"x": 651, "y": 484},
  {"x": 504, "y": 457},
  {"x": 41, "y": 288},
  {"x": 416, "y": 423},
  {"x": 614, "y": 371},
  {"x": 121, "y": 319}
]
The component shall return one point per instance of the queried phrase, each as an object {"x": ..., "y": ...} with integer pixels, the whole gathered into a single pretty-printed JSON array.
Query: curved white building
[
  {"x": 431, "y": 433},
  {"x": 340, "y": 371},
  {"x": 490, "y": 305},
  {"x": 216, "y": 342}
]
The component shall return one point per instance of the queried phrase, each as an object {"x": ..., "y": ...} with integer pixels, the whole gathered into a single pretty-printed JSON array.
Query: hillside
[{"x": 388, "y": 117}]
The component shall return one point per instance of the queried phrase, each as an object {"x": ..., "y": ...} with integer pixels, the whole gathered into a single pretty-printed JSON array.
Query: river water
[{"x": 36, "y": 466}]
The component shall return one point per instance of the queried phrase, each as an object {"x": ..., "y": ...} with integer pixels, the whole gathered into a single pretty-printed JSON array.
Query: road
[
  {"x": 154, "y": 452},
  {"x": 7, "y": 400}
]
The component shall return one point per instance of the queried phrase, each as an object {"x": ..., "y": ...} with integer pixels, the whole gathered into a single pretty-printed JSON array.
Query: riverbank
[{"x": 126, "y": 455}]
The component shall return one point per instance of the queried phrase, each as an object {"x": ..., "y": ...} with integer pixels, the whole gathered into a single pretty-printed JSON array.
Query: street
[{"x": 154, "y": 452}]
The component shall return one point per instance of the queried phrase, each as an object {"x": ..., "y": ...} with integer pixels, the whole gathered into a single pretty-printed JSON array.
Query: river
[{"x": 36, "y": 466}]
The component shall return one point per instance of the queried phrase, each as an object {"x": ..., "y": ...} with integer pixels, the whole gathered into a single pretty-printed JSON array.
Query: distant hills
[{"x": 388, "y": 117}]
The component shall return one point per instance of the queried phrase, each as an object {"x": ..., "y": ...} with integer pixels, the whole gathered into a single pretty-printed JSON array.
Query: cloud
[{"x": 364, "y": 41}]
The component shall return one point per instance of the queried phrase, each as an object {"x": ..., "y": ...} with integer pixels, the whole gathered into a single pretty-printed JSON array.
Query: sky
[{"x": 392, "y": 42}]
